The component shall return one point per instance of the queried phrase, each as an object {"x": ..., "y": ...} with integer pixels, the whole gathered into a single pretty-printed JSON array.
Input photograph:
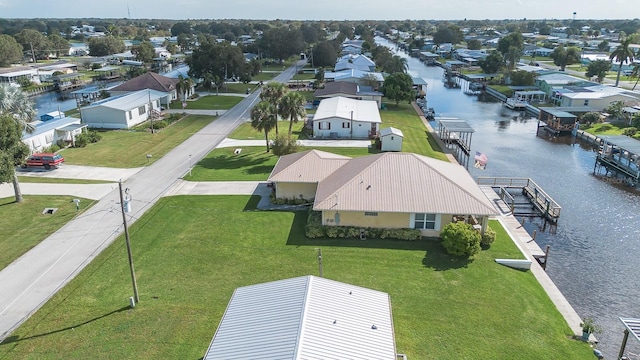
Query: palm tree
[
  {"x": 396, "y": 64},
  {"x": 183, "y": 86},
  {"x": 622, "y": 54},
  {"x": 292, "y": 107},
  {"x": 17, "y": 105},
  {"x": 263, "y": 118},
  {"x": 635, "y": 73},
  {"x": 273, "y": 93}
]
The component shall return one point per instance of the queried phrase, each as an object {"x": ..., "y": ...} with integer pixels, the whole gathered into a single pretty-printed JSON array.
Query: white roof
[
  {"x": 19, "y": 73},
  {"x": 129, "y": 101},
  {"x": 349, "y": 109},
  {"x": 391, "y": 131},
  {"x": 305, "y": 318},
  {"x": 306, "y": 167}
]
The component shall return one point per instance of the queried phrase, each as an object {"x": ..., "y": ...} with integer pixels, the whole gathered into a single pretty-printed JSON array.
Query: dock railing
[{"x": 538, "y": 197}]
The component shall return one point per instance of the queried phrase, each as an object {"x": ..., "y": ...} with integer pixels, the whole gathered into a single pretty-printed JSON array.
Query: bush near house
[
  {"x": 460, "y": 239},
  {"x": 314, "y": 230},
  {"x": 84, "y": 139},
  {"x": 488, "y": 238}
]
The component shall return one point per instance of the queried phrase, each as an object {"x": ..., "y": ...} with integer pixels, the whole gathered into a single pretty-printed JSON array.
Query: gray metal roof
[
  {"x": 557, "y": 113},
  {"x": 391, "y": 131},
  {"x": 128, "y": 101},
  {"x": 306, "y": 167},
  {"x": 305, "y": 318},
  {"x": 625, "y": 142},
  {"x": 456, "y": 126}
]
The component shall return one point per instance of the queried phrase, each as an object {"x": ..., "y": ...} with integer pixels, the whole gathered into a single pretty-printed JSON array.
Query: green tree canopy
[
  {"x": 292, "y": 107},
  {"x": 565, "y": 56},
  {"x": 448, "y": 34},
  {"x": 398, "y": 87},
  {"x": 29, "y": 38},
  {"x": 105, "y": 46},
  {"x": 324, "y": 54},
  {"x": 282, "y": 42},
  {"x": 492, "y": 63},
  {"x": 179, "y": 28},
  {"x": 474, "y": 44},
  {"x": 623, "y": 54},
  {"x": 598, "y": 68},
  {"x": 395, "y": 64},
  {"x": 221, "y": 60},
  {"x": 144, "y": 52},
  {"x": 513, "y": 40},
  {"x": 10, "y": 50},
  {"x": 59, "y": 45},
  {"x": 263, "y": 118},
  {"x": 460, "y": 239}
]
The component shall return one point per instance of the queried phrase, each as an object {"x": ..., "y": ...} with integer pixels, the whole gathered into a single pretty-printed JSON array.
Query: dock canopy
[{"x": 632, "y": 326}]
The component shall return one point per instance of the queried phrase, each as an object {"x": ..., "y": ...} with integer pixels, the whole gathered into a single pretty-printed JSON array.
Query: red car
[{"x": 48, "y": 160}]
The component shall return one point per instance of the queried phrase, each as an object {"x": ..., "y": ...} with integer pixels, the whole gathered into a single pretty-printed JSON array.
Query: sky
[{"x": 321, "y": 10}]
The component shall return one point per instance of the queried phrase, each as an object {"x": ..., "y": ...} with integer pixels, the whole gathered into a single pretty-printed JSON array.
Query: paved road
[{"x": 29, "y": 282}]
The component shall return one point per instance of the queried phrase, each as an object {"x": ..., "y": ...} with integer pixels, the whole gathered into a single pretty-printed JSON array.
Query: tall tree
[
  {"x": 598, "y": 69},
  {"x": 273, "y": 93},
  {"x": 183, "y": 86},
  {"x": 622, "y": 54},
  {"x": 396, "y": 64},
  {"x": 263, "y": 118},
  {"x": 511, "y": 47},
  {"x": 222, "y": 60},
  {"x": 292, "y": 107},
  {"x": 105, "y": 46},
  {"x": 492, "y": 63},
  {"x": 324, "y": 54},
  {"x": 16, "y": 114},
  {"x": 10, "y": 50},
  {"x": 635, "y": 73},
  {"x": 144, "y": 52},
  {"x": 398, "y": 87},
  {"x": 59, "y": 45},
  {"x": 563, "y": 57},
  {"x": 282, "y": 42},
  {"x": 32, "y": 39}
]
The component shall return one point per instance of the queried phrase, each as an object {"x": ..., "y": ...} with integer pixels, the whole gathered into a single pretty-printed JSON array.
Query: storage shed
[{"x": 391, "y": 139}]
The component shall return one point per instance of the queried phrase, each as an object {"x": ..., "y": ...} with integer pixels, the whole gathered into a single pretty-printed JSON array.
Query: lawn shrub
[
  {"x": 94, "y": 136},
  {"x": 314, "y": 229},
  {"x": 51, "y": 149},
  {"x": 85, "y": 139},
  {"x": 284, "y": 145},
  {"x": 630, "y": 131},
  {"x": 460, "y": 239},
  {"x": 160, "y": 124},
  {"x": 488, "y": 238}
]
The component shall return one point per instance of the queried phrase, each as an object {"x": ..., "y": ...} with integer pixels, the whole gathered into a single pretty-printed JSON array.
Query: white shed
[
  {"x": 122, "y": 112},
  {"x": 391, "y": 139}
]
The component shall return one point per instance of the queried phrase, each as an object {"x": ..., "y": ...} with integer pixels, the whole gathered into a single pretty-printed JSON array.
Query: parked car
[{"x": 47, "y": 160}]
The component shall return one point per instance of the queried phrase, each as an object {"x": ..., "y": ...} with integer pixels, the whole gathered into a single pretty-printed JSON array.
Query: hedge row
[{"x": 314, "y": 229}]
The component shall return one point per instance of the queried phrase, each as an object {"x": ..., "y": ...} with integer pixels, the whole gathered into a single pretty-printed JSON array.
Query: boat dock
[
  {"x": 542, "y": 203},
  {"x": 619, "y": 157}
]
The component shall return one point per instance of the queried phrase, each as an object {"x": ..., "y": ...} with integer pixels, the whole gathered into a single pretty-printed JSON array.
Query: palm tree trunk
[
  {"x": 16, "y": 188},
  {"x": 276, "y": 122},
  {"x": 290, "y": 126},
  {"x": 266, "y": 138},
  {"x": 618, "y": 76},
  {"x": 636, "y": 84}
]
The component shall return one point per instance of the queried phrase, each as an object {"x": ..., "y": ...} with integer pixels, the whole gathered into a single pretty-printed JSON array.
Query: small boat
[{"x": 430, "y": 114}]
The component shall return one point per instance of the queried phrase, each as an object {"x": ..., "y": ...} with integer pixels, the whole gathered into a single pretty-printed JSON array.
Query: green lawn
[
  {"x": 246, "y": 132},
  {"x": 607, "y": 129},
  {"x": 210, "y": 102},
  {"x": 187, "y": 269},
  {"x": 24, "y": 226},
  {"x": 253, "y": 163},
  {"x": 264, "y": 76},
  {"x": 127, "y": 149}
]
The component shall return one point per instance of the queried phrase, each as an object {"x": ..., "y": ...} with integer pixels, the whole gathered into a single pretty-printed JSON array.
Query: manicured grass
[
  {"x": 210, "y": 102},
  {"x": 416, "y": 138},
  {"x": 253, "y": 163},
  {"x": 24, "y": 226},
  {"x": 127, "y": 149},
  {"x": 504, "y": 89},
  {"x": 207, "y": 246},
  {"x": 246, "y": 132},
  {"x": 264, "y": 76},
  {"x": 48, "y": 180}
]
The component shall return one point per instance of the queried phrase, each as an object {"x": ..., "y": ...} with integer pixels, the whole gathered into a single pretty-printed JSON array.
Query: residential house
[
  {"x": 359, "y": 62},
  {"x": 387, "y": 190},
  {"x": 49, "y": 132},
  {"x": 355, "y": 76},
  {"x": 344, "y": 118},
  {"x": 123, "y": 111},
  {"x": 13, "y": 76},
  {"x": 152, "y": 81},
  {"x": 596, "y": 97},
  {"x": 391, "y": 139},
  {"x": 349, "y": 90},
  {"x": 305, "y": 317},
  {"x": 296, "y": 176},
  {"x": 554, "y": 82}
]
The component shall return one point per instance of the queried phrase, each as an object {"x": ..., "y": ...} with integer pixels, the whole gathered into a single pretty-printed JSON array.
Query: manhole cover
[{"x": 49, "y": 211}]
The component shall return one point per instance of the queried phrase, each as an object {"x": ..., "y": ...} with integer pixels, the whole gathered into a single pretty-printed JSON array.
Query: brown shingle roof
[
  {"x": 402, "y": 182},
  {"x": 148, "y": 80},
  {"x": 307, "y": 166},
  {"x": 337, "y": 87}
]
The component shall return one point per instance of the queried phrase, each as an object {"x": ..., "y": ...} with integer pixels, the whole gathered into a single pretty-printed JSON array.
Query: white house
[
  {"x": 122, "y": 112},
  {"x": 151, "y": 81},
  {"x": 344, "y": 118},
  {"x": 305, "y": 317},
  {"x": 391, "y": 139},
  {"x": 355, "y": 76},
  {"x": 350, "y": 90},
  {"x": 50, "y": 132},
  {"x": 597, "y": 97}
]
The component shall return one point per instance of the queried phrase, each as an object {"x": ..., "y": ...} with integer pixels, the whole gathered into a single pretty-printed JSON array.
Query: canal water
[{"x": 595, "y": 248}]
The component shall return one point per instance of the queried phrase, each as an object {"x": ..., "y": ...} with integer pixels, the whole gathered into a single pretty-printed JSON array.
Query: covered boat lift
[{"x": 456, "y": 135}]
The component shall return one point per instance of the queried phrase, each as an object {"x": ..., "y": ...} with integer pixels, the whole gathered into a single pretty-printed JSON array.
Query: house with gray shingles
[
  {"x": 349, "y": 90},
  {"x": 344, "y": 118},
  {"x": 123, "y": 111},
  {"x": 305, "y": 317},
  {"x": 389, "y": 190},
  {"x": 150, "y": 81}
]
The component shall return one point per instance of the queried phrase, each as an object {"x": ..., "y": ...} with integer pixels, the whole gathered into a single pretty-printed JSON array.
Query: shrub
[
  {"x": 284, "y": 145},
  {"x": 82, "y": 140},
  {"x": 314, "y": 229},
  {"x": 94, "y": 136},
  {"x": 460, "y": 239},
  {"x": 51, "y": 149},
  {"x": 630, "y": 131},
  {"x": 591, "y": 117},
  {"x": 488, "y": 237}
]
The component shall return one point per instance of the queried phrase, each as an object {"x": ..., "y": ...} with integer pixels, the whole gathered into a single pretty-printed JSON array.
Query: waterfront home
[
  {"x": 557, "y": 81},
  {"x": 598, "y": 98},
  {"x": 348, "y": 90},
  {"x": 355, "y": 76},
  {"x": 359, "y": 62},
  {"x": 306, "y": 317},
  {"x": 52, "y": 131},
  {"x": 123, "y": 111},
  {"x": 152, "y": 81},
  {"x": 345, "y": 118}
]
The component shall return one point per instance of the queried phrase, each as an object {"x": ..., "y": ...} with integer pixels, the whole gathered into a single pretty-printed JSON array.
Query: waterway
[{"x": 595, "y": 247}]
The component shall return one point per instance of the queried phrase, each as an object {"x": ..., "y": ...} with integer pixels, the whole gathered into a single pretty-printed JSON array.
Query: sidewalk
[
  {"x": 82, "y": 172},
  {"x": 87, "y": 191}
]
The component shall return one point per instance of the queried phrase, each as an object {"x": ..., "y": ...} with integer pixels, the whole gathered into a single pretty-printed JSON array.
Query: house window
[
  {"x": 142, "y": 110},
  {"x": 424, "y": 221},
  {"x": 345, "y": 125},
  {"x": 130, "y": 115},
  {"x": 325, "y": 125},
  {"x": 586, "y": 103},
  {"x": 370, "y": 213}
]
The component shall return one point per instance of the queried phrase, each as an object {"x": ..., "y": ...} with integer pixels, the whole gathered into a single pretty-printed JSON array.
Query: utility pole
[
  {"x": 126, "y": 236},
  {"x": 319, "y": 261}
]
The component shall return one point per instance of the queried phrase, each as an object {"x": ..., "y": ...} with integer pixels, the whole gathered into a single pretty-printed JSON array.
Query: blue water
[{"x": 596, "y": 245}]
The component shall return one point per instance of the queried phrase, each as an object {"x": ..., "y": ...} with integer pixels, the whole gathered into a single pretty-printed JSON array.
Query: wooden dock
[{"x": 539, "y": 199}]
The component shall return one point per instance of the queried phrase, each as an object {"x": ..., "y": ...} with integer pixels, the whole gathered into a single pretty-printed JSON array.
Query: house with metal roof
[
  {"x": 349, "y": 90},
  {"x": 344, "y": 118},
  {"x": 355, "y": 76},
  {"x": 305, "y": 317},
  {"x": 123, "y": 111},
  {"x": 387, "y": 190},
  {"x": 51, "y": 131},
  {"x": 296, "y": 176}
]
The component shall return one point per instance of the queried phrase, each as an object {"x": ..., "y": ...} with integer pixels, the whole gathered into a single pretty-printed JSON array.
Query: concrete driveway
[{"x": 81, "y": 172}]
